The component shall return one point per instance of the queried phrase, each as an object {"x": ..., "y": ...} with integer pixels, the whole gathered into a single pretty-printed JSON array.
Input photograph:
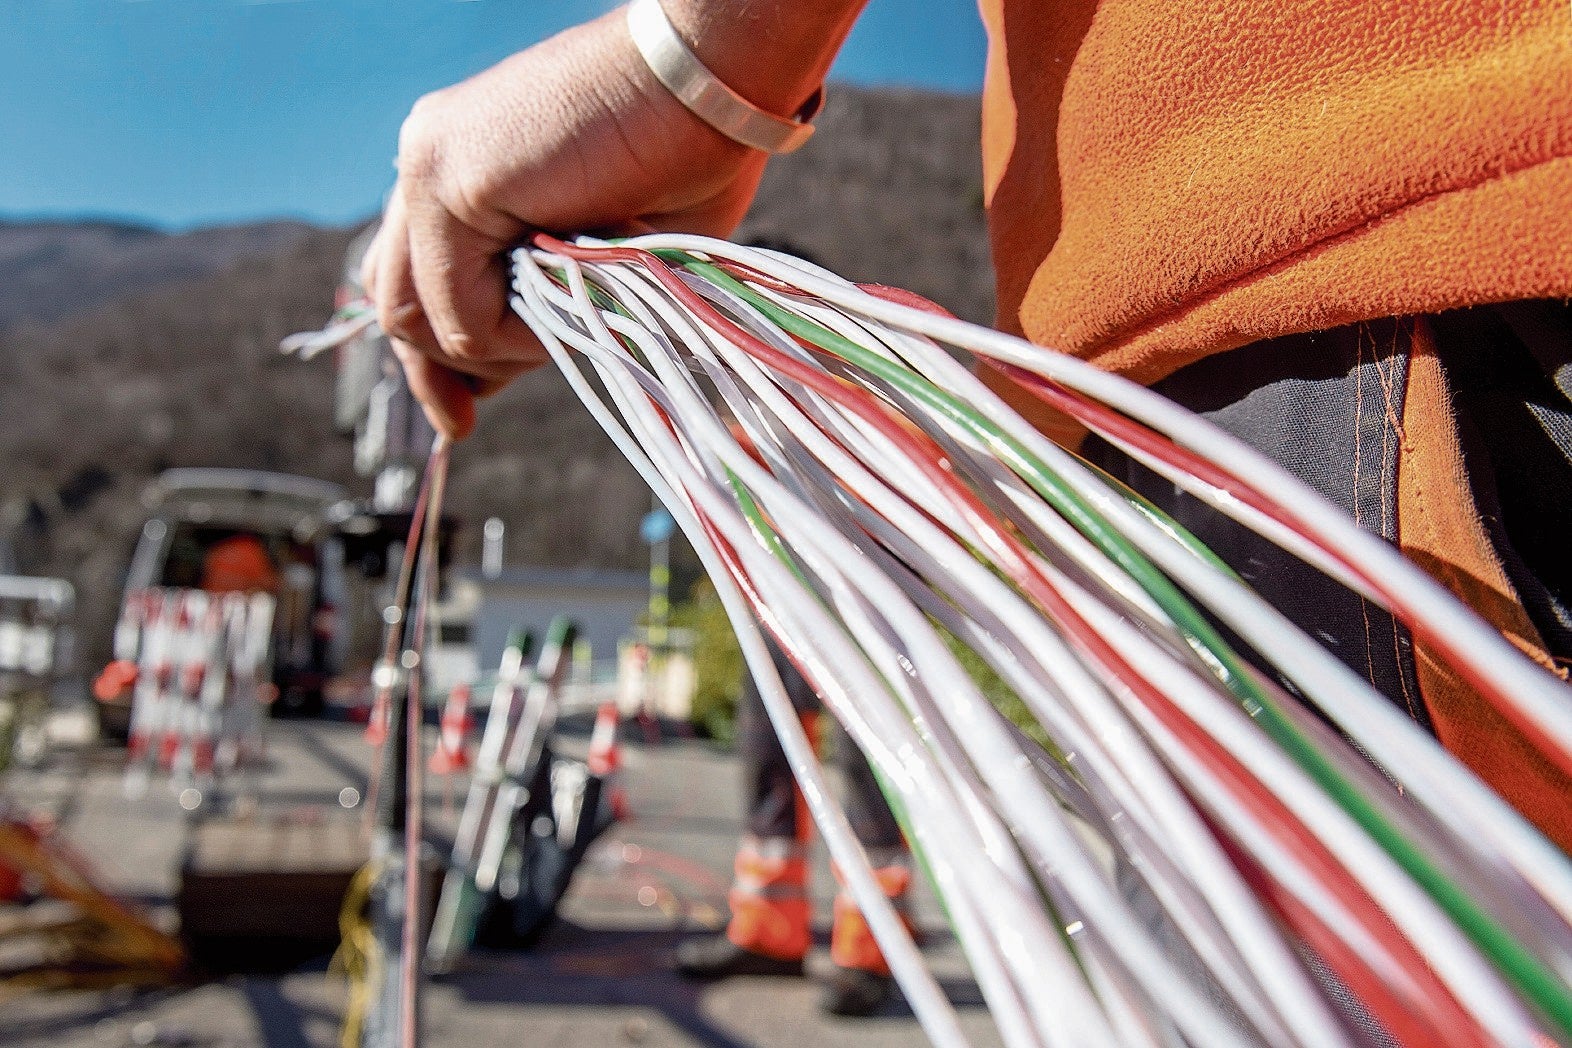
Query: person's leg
[
  {"x": 769, "y": 930},
  {"x": 861, "y": 978}
]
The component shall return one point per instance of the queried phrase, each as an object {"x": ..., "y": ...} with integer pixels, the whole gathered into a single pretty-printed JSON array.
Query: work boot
[
  {"x": 854, "y": 992},
  {"x": 769, "y": 900},
  {"x": 717, "y": 957}
]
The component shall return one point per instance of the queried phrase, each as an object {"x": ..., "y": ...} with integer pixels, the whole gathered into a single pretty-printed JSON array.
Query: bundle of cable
[{"x": 1187, "y": 855}]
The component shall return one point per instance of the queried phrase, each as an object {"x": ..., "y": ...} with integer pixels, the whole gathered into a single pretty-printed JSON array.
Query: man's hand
[{"x": 572, "y": 134}]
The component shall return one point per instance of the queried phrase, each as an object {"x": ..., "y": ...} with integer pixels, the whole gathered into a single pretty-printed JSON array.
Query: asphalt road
[{"x": 600, "y": 977}]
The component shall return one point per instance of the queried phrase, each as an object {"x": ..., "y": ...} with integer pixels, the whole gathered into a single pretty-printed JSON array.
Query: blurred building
[{"x": 606, "y": 605}]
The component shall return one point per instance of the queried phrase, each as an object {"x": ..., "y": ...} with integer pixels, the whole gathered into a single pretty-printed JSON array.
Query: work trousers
[
  {"x": 772, "y": 804},
  {"x": 770, "y": 909},
  {"x": 1327, "y": 406}
]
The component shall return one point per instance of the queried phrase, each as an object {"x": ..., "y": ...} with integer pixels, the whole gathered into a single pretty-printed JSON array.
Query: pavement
[{"x": 600, "y": 977}]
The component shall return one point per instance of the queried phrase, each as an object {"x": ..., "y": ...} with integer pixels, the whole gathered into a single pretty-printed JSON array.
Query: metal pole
[
  {"x": 384, "y": 1023},
  {"x": 660, "y": 612},
  {"x": 660, "y": 603},
  {"x": 394, "y": 1019}
]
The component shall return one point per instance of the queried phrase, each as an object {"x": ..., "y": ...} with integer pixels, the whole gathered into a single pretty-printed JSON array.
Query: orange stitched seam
[
  {"x": 1385, "y": 380},
  {"x": 1398, "y": 433}
]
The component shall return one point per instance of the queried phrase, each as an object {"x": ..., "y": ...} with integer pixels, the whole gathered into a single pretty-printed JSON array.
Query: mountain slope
[{"x": 49, "y": 270}]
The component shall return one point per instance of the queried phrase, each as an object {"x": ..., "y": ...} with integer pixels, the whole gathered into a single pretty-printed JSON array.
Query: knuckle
[
  {"x": 417, "y": 165},
  {"x": 475, "y": 199},
  {"x": 418, "y": 146},
  {"x": 473, "y": 189},
  {"x": 464, "y": 346},
  {"x": 423, "y": 118}
]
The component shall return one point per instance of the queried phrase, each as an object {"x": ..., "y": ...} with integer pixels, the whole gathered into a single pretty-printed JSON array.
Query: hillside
[
  {"x": 187, "y": 372},
  {"x": 50, "y": 270}
]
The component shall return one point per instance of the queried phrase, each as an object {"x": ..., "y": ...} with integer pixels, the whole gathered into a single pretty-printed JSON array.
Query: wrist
[{"x": 774, "y": 53}]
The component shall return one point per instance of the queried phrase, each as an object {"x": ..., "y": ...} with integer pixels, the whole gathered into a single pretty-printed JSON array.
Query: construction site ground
[{"x": 600, "y": 977}]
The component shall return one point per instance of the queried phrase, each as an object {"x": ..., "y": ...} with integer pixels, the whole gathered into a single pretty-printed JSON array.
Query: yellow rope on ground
[{"x": 358, "y": 957}]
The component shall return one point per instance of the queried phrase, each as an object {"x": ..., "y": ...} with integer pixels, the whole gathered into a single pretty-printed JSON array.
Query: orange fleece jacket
[{"x": 1168, "y": 179}]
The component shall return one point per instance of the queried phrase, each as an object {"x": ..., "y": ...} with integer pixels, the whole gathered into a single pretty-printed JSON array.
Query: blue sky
[{"x": 189, "y": 112}]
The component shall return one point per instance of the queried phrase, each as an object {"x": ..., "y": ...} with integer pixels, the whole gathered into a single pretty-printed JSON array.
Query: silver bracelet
[{"x": 702, "y": 92}]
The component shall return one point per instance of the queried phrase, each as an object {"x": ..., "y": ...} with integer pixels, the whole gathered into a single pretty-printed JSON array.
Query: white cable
[
  {"x": 869, "y": 737},
  {"x": 1191, "y": 1010},
  {"x": 933, "y": 1009},
  {"x": 877, "y": 550},
  {"x": 1450, "y": 791},
  {"x": 894, "y": 769}
]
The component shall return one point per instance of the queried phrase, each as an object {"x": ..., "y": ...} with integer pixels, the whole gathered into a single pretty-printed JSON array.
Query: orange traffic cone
[
  {"x": 377, "y": 722},
  {"x": 620, "y": 809},
  {"x": 451, "y": 755},
  {"x": 605, "y": 755},
  {"x": 116, "y": 679}
]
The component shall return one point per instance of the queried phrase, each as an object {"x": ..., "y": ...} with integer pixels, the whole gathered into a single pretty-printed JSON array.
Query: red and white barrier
[{"x": 201, "y": 673}]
